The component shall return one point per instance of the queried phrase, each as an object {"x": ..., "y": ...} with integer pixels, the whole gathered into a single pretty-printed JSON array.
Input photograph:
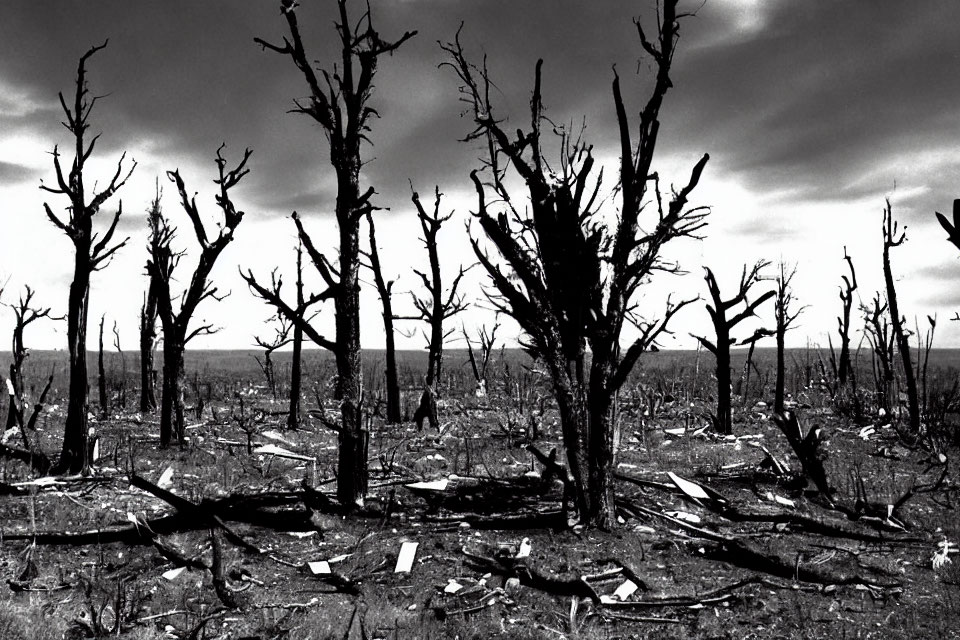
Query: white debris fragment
[
  {"x": 692, "y": 489},
  {"x": 625, "y": 590},
  {"x": 686, "y": 516},
  {"x": 452, "y": 586},
  {"x": 320, "y": 567},
  {"x": 166, "y": 478},
  {"x": 280, "y": 452},
  {"x": 432, "y": 485},
  {"x": 172, "y": 574},
  {"x": 408, "y": 551}
]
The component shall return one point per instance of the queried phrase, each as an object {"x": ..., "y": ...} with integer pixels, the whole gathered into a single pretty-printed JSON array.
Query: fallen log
[{"x": 530, "y": 577}]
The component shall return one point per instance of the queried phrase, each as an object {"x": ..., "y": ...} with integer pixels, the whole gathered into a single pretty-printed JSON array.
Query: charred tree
[
  {"x": 881, "y": 339},
  {"x": 24, "y": 315},
  {"x": 893, "y": 237},
  {"x": 339, "y": 103},
  {"x": 293, "y": 413},
  {"x": 385, "y": 291},
  {"x": 148, "y": 323},
  {"x": 786, "y": 316},
  {"x": 92, "y": 252},
  {"x": 718, "y": 309},
  {"x": 120, "y": 386},
  {"x": 487, "y": 339},
  {"x": 436, "y": 306},
  {"x": 102, "y": 376},
  {"x": 280, "y": 338},
  {"x": 175, "y": 323},
  {"x": 566, "y": 275},
  {"x": 842, "y": 367}
]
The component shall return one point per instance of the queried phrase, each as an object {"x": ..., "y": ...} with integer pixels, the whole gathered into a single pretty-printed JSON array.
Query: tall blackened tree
[
  {"x": 718, "y": 308},
  {"x": 786, "y": 315},
  {"x": 385, "y": 291},
  {"x": 339, "y": 103},
  {"x": 436, "y": 306},
  {"x": 567, "y": 277},
  {"x": 92, "y": 252},
  {"x": 163, "y": 261},
  {"x": 842, "y": 367},
  {"x": 894, "y": 237},
  {"x": 148, "y": 320}
]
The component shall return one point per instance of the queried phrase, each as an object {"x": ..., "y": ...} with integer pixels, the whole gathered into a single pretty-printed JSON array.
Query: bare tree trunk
[
  {"x": 385, "y": 290},
  {"x": 352, "y": 470},
  {"x": 148, "y": 337},
  {"x": 102, "y": 376},
  {"x": 73, "y": 455},
  {"x": 293, "y": 415},
  {"x": 779, "y": 392},
  {"x": 893, "y": 238},
  {"x": 172, "y": 425}
]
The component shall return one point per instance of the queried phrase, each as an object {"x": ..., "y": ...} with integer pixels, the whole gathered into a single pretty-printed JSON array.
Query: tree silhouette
[
  {"x": 175, "y": 322},
  {"x": 92, "y": 252},
  {"x": 339, "y": 103},
  {"x": 563, "y": 273}
]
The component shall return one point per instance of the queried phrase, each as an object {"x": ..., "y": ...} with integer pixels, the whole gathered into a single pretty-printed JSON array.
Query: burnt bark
[
  {"x": 385, "y": 291},
  {"x": 102, "y": 376},
  {"x": 161, "y": 266},
  {"x": 843, "y": 367},
  {"x": 437, "y": 306},
  {"x": 573, "y": 276},
  {"x": 892, "y": 237},
  {"x": 785, "y": 316},
  {"x": 91, "y": 253},
  {"x": 341, "y": 108},
  {"x": 148, "y": 326},
  {"x": 718, "y": 308}
]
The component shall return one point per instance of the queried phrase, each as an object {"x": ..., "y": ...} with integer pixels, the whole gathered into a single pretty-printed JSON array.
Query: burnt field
[{"x": 236, "y": 533}]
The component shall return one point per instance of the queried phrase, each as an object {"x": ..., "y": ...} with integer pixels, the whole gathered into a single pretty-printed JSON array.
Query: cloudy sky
[{"x": 812, "y": 113}]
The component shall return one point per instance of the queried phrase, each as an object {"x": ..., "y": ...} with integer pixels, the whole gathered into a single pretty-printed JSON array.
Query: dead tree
[
  {"x": 842, "y": 367},
  {"x": 24, "y": 314},
  {"x": 120, "y": 386},
  {"x": 280, "y": 338},
  {"x": 567, "y": 275},
  {"x": 102, "y": 375},
  {"x": 339, "y": 103},
  {"x": 487, "y": 340},
  {"x": 296, "y": 362},
  {"x": 385, "y": 291},
  {"x": 953, "y": 230},
  {"x": 436, "y": 306},
  {"x": 92, "y": 252},
  {"x": 893, "y": 237},
  {"x": 718, "y": 309},
  {"x": 175, "y": 323},
  {"x": 148, "y": 322},
  {"x": 881, "y": 339},
  {"x": 786, "y": 316}
]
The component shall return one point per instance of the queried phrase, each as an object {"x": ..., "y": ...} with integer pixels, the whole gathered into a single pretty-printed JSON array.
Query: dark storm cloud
[
  {"x": 815, "y": 101},
  {"x": 826, "y": 93}
]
